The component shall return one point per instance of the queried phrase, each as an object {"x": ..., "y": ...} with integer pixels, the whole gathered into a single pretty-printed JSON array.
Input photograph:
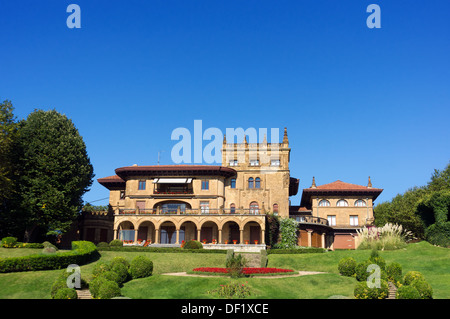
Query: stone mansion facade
[{"x": 227, "y": 204}]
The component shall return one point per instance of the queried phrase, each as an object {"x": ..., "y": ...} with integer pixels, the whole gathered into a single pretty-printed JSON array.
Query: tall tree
[{"x": 56, "y": 172}]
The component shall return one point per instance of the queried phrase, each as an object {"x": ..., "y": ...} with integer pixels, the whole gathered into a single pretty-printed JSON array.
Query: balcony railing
[
  {"x": 189, "y": 211},
  {"x": 310, "y": 220}
]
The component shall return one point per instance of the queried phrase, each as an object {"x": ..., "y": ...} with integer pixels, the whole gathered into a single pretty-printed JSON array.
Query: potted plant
[
  {"x": 214, "y": 241},
  {"x": 256, "y": 242},
  {"x": 246, "y": 242},
  {"x": 204, "y": 241},
  {"x": 234, "y": 241},
  {"x": 226, "y": 242}
]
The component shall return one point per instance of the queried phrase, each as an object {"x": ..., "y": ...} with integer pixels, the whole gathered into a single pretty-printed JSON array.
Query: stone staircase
[
  {"x": 253, "y": 260},
  {"x": 84, "y": 294},
  {"x": 392, "y": 290}
]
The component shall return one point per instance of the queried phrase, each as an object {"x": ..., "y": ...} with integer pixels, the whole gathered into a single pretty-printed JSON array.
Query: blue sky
[{"x": 356, "y": 101}]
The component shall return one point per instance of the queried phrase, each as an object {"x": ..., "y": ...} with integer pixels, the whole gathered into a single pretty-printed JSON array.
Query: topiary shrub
[
  {"x": 120, "y": 260},
  {"x": 193, "y": 244},
  {"x": 66, "y": 293},
  {"x": 102, "y": 244},
  {"x": 378, "y": 261},
  {"x": 94, "y": 285},
  {"x": 361, "y": 270},
  {"x": 362, "y": 291},
  {"x": 122, "y": 272},
  {"x": 100, "y": 268},
  {"x": 116, "y": 243},
  {"x": 57, "y": 285},
  {"x": 424, "y": 289},
  {"x": 394, "y": 273},
  {"x": 410, "y": 276},
  {"x": 347, "y": 266},
  {"x": 9, "y": 242},
  {"x": 141, "y": 267},
  {"x": 108, "y": 290},
  {"x": 407, "y": 292},
  {"x": 111, "y": 276}
]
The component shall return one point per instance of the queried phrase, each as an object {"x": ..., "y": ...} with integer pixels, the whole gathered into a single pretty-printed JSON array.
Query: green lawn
[{"x": 433, "y": 262}]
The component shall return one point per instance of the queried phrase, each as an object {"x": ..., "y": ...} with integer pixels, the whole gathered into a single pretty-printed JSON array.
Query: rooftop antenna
[{"x": 159, "y": 156}]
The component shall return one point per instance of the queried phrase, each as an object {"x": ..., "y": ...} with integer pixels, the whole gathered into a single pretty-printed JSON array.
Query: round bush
[
  {"x": 120, "y": 260},
  {"x": 111, "y": 276},
  {"x": 347, "y": 266},
  {"x": 102, "y": 244},
  {"x": 407, "y": 292},
  {"x": 362, "y": 291},
  {"x": 141, "y": 267},
  {"x": 66, "y": 293},
  {"x": 361, "y": 270},
  {"x": 410, "y": 276},
  {"x": 9, "y": 242},
  {"x": 116, "y": 243},
  {"x": 193, "y": 244},
  {"x": 100, "y": 268},
  {"x": 95, "y": 284},
  {"x": 394, "y": 273},
  {"x": 108, "y": 290},
  {"x": 424, "y": 289},
  {"x": 122, "y": 272},
  {"x": 57, "y": 285}
]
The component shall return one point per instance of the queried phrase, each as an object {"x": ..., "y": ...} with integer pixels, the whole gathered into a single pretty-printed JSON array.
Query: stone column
[
  {"x": 198, "y": 234},
  {"x": 156, "y": 235},
  {"x": 323, "y": 240},
  {"x": 178, "y": 237},
  {"x": 115, "y": 234},
  {"x": 135, "y": 235},
  {"x": 309, "y": 237},
  {"x": 263, "y": 237},
  {"x": 220, "y": 236},
  {"x": 241, "y": 237}
]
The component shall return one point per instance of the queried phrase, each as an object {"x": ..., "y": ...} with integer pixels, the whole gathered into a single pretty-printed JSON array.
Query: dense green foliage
[
  {"x": 44, "y": 172},
  {"x": 288, "y": 234},
  {"x": 347, "y": 266},
  {"x": 423, "y": 210}
]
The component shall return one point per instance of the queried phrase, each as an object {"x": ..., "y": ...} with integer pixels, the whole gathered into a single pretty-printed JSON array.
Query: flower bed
[{"x": 246, "y": 271}]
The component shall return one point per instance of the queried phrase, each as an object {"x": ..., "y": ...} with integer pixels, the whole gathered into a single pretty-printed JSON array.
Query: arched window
[
  {"x": 232, "y": 209},
  {"x": 341, "y": 203},
  {"x": 275, "y": 209},
  {"x": 360, "y": 203},
  {"x": 233, "y": 183},
  {"x": 254, "y": 208},
  {"x": 250, "y": 182},
  {"x": 257, "y": 182},
  {"x": 324, "y": 202}
]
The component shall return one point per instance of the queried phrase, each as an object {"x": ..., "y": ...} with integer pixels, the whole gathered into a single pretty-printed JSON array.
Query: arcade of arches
[{"x": 175, "y": 229}]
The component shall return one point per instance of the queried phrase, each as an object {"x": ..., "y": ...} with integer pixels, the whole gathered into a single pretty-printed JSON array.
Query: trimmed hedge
[
  {"x": 309, "y": 250},
  {"x": 162, "y": 250},
  {"x": 66, "y": 293},
  {"x": 193, "y": 244},
  {"x": 407, "y": 292},
  {"x": 82, "y": 252}
]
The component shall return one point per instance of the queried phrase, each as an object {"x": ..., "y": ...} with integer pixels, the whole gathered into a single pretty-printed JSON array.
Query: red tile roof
[{"x": 338, "y": 188}]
